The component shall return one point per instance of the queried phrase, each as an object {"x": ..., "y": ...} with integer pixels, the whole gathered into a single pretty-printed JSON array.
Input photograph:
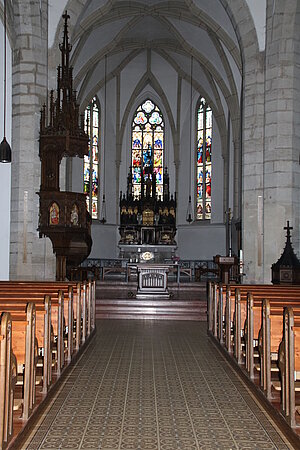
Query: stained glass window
[
  {"x": 204, "y": 164},
  {"x": 91, "y": 161},
  {"x": 147, "y": 146}
]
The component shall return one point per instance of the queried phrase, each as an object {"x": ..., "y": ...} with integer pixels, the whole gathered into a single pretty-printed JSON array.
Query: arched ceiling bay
[
  {"x": 173, "y": 31},
  {"x": 153, "y": 40}
]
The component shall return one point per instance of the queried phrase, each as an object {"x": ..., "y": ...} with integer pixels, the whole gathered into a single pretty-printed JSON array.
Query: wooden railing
[{"x": 198, "y": 270}]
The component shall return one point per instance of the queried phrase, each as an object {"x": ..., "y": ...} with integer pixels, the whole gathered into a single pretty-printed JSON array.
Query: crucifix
[{"x": 288, "y": 229}]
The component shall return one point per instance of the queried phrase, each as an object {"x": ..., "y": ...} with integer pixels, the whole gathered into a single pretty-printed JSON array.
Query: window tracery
[
  {"x": 204, "y": 163},
  {"x": 91, "y": 161},
  {"x": 147, "y": 136}
]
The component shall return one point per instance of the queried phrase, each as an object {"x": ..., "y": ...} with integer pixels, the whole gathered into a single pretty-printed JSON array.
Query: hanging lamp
[
  {"x": 103, "y": 206},
  {"x": 189, "y": 211},
  {"x": 5, "y": 149}
]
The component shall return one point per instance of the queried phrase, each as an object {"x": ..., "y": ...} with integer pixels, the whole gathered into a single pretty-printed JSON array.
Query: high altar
[{"x": 147, "y": 221}]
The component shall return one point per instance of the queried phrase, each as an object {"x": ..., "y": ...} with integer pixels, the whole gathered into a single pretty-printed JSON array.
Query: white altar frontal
[{"x": 152, "y": 280}]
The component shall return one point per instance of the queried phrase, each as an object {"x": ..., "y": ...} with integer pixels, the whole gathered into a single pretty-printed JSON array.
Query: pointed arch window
[
  {"x": 147, "y": 146},
  {"x": 204, "y": 164},
  {"x": 91, "y": 161}
]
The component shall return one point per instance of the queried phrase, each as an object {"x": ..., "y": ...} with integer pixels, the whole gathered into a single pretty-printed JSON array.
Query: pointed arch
[
  {"x": 91, "y": 161},
  {"x": 147, "y": 146},
  {"x": 148, "y": 78}
]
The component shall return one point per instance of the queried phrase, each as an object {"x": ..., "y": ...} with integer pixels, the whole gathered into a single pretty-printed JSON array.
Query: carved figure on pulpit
[
  {"x": 54, "y": 214},
  {"x": 74, "y": 216}
]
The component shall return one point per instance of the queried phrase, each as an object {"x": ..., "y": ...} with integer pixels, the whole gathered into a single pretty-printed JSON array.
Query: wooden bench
[
  {"x": 21, "y": 329},
  {"x": 48, "y": 325},
  {"x": 61, "y": 313},
  {"x": 289, "y": 363},
  {"x": 50, "y": 311},
  {"x": 248, "y": 321},
  {"x": 221, "y": 303},
  {"x": 84, "y": 300},
  {"x": 8, "y": 379}
]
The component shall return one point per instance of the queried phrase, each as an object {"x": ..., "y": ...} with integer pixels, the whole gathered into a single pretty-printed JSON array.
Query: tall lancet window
[
  {"x": 91, "y": 162},
  {"x": 147, "y": 146},
  {"x": 204, "y": 165}
]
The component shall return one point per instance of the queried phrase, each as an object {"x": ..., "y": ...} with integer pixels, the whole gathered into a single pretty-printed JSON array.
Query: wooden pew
[
  {"x": 83, "y": 293},
  {"x": 8, "y": 379},
  {"x": 270, "y": 336},
  {"x": 250, "y": 311},
  {"x": 84, "y": 309},
  {"x": 43, "y": 333},
  {"x": 257, "y": 313},
  {"x": 217, "y": 294},
  {"x": 46, "y": 317},
  {"x": 222, "y": 308},
  {"x": 289, "y": 363},
  {"x": 24, "y": 347},
  {"x": 29, "y": 327},
  {"x": 279, "y": 335},
  {"x": 13, "y": 295}
]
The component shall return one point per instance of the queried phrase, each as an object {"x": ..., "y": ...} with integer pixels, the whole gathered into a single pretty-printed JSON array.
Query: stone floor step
[{"x": 151, "y": 309}]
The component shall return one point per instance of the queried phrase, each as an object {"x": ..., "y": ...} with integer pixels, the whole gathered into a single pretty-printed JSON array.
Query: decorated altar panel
[{"x": 147, "y": 210}]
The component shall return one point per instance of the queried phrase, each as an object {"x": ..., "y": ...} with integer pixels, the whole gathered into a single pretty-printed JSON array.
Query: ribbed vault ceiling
[{"x": 171, "y": 31}]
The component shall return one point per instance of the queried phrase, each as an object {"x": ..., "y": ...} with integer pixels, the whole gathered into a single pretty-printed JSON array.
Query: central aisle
[{"x": 154, "y": 385}]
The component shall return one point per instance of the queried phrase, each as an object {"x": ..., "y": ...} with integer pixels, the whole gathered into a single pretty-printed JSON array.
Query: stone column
[
  {"x": 281, "y": 159},
  {"x": 31, "y": 258},
  {"x": 271, "y": 147}
]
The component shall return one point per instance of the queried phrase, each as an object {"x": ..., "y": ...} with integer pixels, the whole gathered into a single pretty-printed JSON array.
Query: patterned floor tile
[{"x": 146, "y": 385}]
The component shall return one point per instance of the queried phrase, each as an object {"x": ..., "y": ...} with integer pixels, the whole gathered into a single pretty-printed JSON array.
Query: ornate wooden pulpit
[{"x": 63, "y": 215}]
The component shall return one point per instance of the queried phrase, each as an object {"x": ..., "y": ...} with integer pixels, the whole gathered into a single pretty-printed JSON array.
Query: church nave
[{"x": 153, "y": 385}]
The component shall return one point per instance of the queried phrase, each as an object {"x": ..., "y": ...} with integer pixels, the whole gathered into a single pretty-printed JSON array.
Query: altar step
[
  {"x": 151, "y": 309},
  {"x": 116, "y": 288}
]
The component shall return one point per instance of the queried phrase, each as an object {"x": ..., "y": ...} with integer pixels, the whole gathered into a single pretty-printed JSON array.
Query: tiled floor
[{"x": 154, "y": 385}]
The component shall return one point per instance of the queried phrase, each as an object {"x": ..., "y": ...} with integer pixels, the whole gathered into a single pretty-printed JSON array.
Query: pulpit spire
[{"x": 65, "y": 47}]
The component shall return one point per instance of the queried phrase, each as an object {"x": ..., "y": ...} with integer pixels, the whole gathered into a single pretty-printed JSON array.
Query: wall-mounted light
[
  {"x": 189, "y": 211},
  {"x": 5, "y": 150},
  {"x": 103, "y": 206}
]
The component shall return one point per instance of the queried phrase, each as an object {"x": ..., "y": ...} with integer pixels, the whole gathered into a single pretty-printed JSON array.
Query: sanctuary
[{"x": 147, "y": 210}]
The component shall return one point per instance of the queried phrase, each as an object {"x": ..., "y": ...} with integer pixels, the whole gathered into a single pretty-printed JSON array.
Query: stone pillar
[
  {"x": 281, "y": 159},
  {"x": 271, "y": 147},
  {"x": 31, "y": 258}
]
